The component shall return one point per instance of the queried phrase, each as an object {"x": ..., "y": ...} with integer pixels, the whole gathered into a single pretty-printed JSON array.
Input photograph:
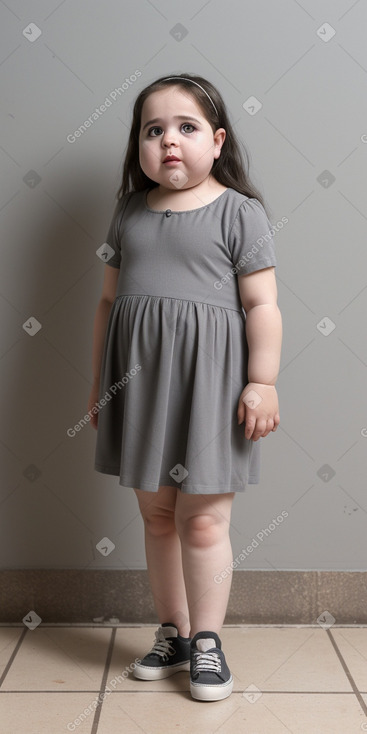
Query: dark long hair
[{"x": 230, "y": 169}]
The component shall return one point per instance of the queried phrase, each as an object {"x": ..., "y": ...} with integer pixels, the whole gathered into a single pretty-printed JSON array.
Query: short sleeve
[
  {"x": 251, "y": 239},
  {"x": 113, "y": 238}
]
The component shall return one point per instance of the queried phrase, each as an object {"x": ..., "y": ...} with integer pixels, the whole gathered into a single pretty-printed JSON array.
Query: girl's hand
[
  {"x": 258, "y": 406},
  {"x": 93, "y": 399}
]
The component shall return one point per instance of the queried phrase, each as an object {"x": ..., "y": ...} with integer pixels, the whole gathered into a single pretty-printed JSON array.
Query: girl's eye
[
  {"x": 153, "y": 128},
  {"x": 185, "y": 124}
]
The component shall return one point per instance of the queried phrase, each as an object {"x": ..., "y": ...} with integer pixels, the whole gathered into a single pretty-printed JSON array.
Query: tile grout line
[
  {"x": 347, "y": 672},
  {"x": 270, "y": 692},
  {"x": 98, "y": 710},
  {"x": 148, "y": 625},
  {"x": 12, "y": 657}
]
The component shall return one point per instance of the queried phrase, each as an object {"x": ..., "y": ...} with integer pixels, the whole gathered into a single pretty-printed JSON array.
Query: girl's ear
[{"x": 219, "y": 138}]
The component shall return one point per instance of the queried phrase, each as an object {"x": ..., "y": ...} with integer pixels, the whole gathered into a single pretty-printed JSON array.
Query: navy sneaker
[
  {"x": 210, "y": 677},
  {"x": 170, "y": 654}
]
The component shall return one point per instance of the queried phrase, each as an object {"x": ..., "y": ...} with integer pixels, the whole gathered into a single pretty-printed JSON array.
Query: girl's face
[{"x": 173, "y": 124}]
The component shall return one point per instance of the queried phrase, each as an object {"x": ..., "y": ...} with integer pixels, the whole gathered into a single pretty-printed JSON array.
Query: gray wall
[{"x": 308, "y": 156}]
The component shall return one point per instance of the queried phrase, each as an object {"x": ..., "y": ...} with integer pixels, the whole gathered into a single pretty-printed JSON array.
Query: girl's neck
[{"x": 184, "y": 199}]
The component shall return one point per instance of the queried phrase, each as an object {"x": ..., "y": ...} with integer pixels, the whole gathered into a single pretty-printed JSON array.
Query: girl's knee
[
  {"x": 159, "y": 523},
  {"x": 158, "y": 509},
  {"x": 201, "y": 531},
  {"x": 203, "y": 520}
]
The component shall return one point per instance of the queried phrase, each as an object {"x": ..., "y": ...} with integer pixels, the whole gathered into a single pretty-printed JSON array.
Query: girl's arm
[
  {"x": 258, "y": 293},
  {"x": 99, "y": 332},
  {"x": 101, "y": 318}
]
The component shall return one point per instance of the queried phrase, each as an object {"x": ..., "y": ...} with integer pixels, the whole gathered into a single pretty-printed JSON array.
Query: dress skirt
[{"x": 172, "y": 374}]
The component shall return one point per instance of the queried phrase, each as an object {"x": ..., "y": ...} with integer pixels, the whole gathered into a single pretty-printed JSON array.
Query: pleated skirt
[{"x": 172, "y": 373}]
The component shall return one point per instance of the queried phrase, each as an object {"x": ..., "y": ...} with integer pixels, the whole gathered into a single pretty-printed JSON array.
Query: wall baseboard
[{"x": 257, "y": 597}]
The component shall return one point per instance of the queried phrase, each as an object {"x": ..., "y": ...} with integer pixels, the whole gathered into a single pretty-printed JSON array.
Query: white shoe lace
[
  {"x": 162, "y": 646},
  {"x": 207, "y": 661}
]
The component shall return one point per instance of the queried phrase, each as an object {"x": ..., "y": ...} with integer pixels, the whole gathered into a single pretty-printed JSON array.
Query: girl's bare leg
[
  {"x": 202, "y": 523},
  {"x": 163, "y": 556}
]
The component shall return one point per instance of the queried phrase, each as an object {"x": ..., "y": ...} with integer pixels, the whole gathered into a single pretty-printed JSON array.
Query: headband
[{"x": 192, "y": 82}]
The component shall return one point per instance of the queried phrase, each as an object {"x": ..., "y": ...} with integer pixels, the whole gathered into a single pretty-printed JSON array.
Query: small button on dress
[{"x": 175, "y": 353}]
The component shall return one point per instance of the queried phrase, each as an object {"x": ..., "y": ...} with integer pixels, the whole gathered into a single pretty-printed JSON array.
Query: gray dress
[{"x": 175, "y": 354}]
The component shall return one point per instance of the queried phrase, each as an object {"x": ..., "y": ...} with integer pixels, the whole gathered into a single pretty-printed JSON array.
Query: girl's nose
[{"x": 169, "y": 137}]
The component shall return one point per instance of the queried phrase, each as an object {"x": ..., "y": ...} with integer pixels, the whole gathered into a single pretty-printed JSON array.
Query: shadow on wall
[{"x": 52, "y": 232}]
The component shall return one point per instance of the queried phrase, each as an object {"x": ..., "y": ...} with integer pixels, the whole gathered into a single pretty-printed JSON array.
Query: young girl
[{"x": 186, "y": 353}]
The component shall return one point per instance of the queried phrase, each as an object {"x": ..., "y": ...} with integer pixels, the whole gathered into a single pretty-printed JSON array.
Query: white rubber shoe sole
[
  {"x": 201, "y": 692},
  {"x": 144, "y": 672}
]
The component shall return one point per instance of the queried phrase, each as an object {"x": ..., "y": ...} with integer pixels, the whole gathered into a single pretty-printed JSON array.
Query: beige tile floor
[{"x": 287, "y": 680}]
